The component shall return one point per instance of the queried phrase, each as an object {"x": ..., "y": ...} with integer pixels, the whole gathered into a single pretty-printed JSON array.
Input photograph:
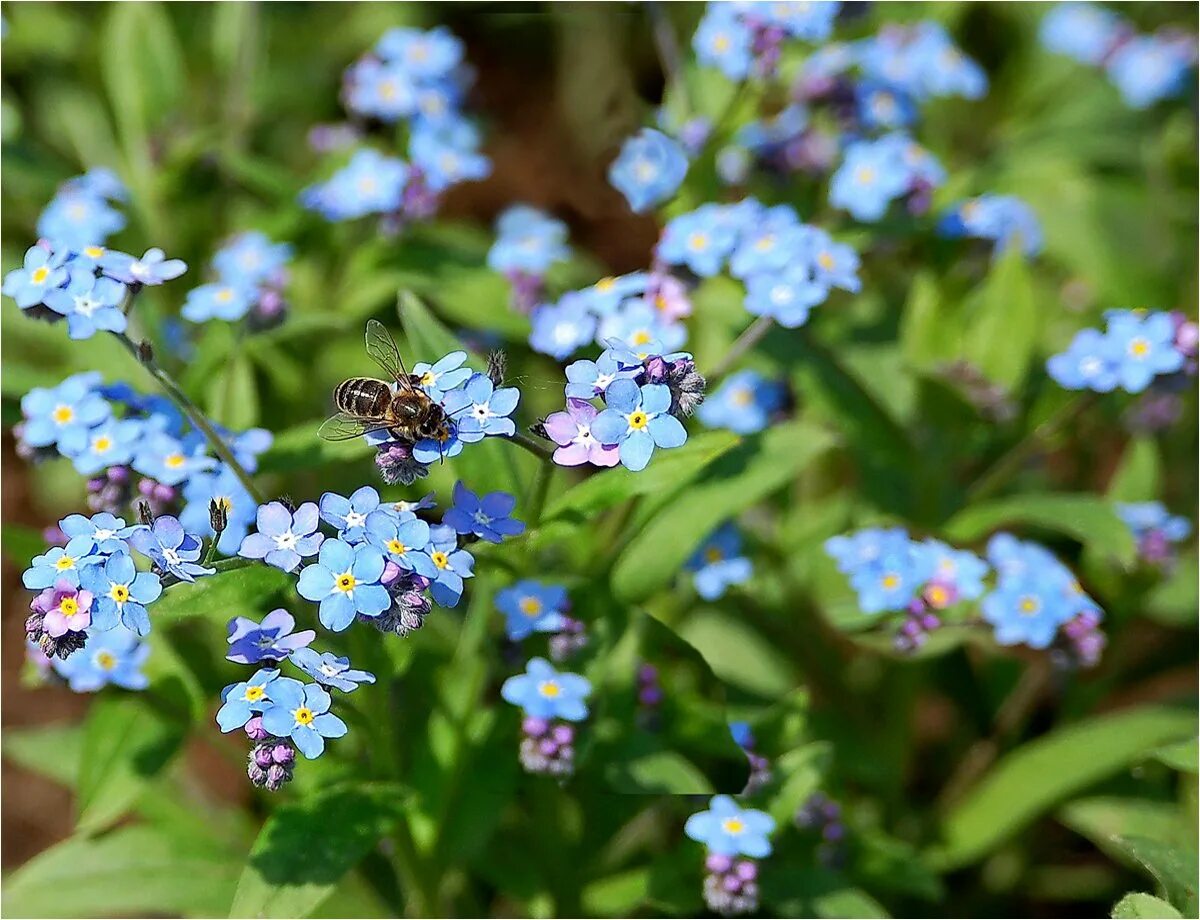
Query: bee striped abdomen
[{"x": 363, "y": 396}]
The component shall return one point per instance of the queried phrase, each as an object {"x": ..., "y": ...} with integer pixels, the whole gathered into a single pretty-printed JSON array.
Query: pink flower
[
  {"x": 572, "y": 432},
  {"x": 68, "y": 609},
  {"x": 669, "y": 296}
]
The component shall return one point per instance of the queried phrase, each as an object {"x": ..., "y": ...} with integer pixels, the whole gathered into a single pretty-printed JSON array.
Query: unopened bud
[{"x": 218, "y": 514}]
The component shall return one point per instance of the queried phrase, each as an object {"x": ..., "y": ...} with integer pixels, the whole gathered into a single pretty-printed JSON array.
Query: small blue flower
[
  {"x": 65, "y": 563},
  {"x": 242, "y": 701},
  {"x": 870, "y": 178},
  {"x": 1145, "y": 517},
  {"x": 452, "y": 564},
  {"x": 444, "y": 375},
  {"x": 114, "y": 656},
  {"x": 480, "y": 410},
  {"x": 403, "y": 538},
  {"x": 380, "y": 90},
  {"x": 866, "y": 548},
  {"x": 41, "y": 273},
  {"x": 90, "y": 304},
  {"x": 222, "y": 486},
  {"x": 1089, "y": 363},
  {"x": 1143, "y": 346},
  {"x": 121, "y": 594},
  {"x": 247, "y": 445},
  {"x": 786, "y": 296},
  {"x": 638, "y": 325},
  {"x": 719, "y": 563},
  {"x": 349, "y": 515},
  {"x": 545, "y": 693},
  {"x": 1028, "y": 610},
  {"x": 328, "y": 669},
  {"x": 561, "y": 329},
  {"x": 448, "y": 153},
  {"x": 284, "y": 537},
  {"x": 527, "y": 240},
  {"x": 833, "y": 264},
  {"x": 99, "y": 181},
  {"x": 270, "y": 640},
  {"x": 744, "y": 403},
  {"x": 724, "y": 41},
  {"x": 427, "y": 55},
  {"x": 432, "y": 450},
  {"x": 489, "y": 517},
  {"x": 637, "y": 421},
  {"x": 649, "y": 169},
  {"x": 370, "y": 183},
  {"x": 151, "y": 269},
  {"x": 729, "y": 830},
  {"x": 171, "y": 460},
  {"x": 301, "y": 712},
  {"x": 345, "y": 582},
  {"x": 589, "y": 379},
  {"x": 702, "y": 240},
  {"x": 65, "y": 412},
  {"x": 77, "y": 217},
  {"x": 883, "y": 106},
  {"x": 775, "y": 242},
  {"x": 892, "y": 582},
  {"x": 220, "y": 300},
  {"x": 1081, "y": 31},
  {"x": 959, "y": 568},
  {"x": 607, "y": 294},
  {"x": 532, "y": 606},
  {"x": 111, "y": 443},
  {"x": 1148, "y": 68},
  {"x": 250, "y": 258},
  {"x": 170, "y": 548},
  {"x": 105, "y": 533}
]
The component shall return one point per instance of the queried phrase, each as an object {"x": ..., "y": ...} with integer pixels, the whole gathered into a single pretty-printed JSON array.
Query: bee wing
[
  {"x": 343, "y": 426},
  {"x": 382, "y": 349}
]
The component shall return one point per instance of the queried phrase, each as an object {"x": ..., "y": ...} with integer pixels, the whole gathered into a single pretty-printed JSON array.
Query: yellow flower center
[
  {"x": 1029, "y": 605},
  {"x": 255, "y": 693},
  {"x": 345, "y": 582},
  {"x": 63, "y": 414},
  {"x": 225, "y": 295},
  {"x": 733, "y": 825},
  {"x": 40, "y": 274},
  {"x": 102, "y": 444},
  {"x": 825, "y": 260},
  {"x": 106, "y": 660},
  {"x": 530, "y": 606},
  {"x": 938, "y": 596},
  {"x": 549, "y": 689},
  {"x": 698, "y": 241},
  {"x": 891, "y": 580},
  {"x": 642, "y": 337},
  {"x": 606, "y": 284},
  {"x": 742, "y": 397},
  {"x": 441, "y": 560},
  {"x": 387, "y": 89},
  {"x": 69, "y": 606},
  {"x": 396, "y": 547},
  {"x": 93, "y": 252},
  {"x": 865, "y": 175},
  {"x": 721, "y": 43},
  {"x": 712, "y": 554},
  {"x": 763, "y": 243},
  {"x": 304, "y": 715},
  {"x": 64, "y": 563},
  {"x": 119, "y": 593},
  {"x": 660, "y": 302},
  {"x": 174, "y": 461},
  {"x": 427, "y": 379},
  {"x": 638, "y": 420},
  {"x": 1139, "y": 348}
]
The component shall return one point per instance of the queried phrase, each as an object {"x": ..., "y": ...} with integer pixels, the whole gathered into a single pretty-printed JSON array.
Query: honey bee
[{"x": 397, "y": 405}]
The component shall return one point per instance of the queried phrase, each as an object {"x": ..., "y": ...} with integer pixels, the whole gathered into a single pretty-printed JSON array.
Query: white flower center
[
  {"x": 171, "y": 556},
  {"x": 286, "y": 540},
  {"x": 103, "y": 534},
  {"x": 354, "y": 519}
]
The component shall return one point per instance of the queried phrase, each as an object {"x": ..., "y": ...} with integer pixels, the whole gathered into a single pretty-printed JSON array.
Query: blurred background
[{"x": 204, "y": 110}]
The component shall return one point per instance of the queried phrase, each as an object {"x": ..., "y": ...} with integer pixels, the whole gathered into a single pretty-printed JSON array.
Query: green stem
[
  {"x": 211, "y": 551},
  {"x": 539, "y": 450},
  {"x": 751, "y": 336},
  {"x": 666, "y": 43},
  {"x": 146, "y": 359},
  {"x": 1020, "y": 453},
  {"x": 538, "y": 490}
]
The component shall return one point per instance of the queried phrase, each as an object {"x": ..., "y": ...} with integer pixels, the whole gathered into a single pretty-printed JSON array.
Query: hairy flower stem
[
  {"x": 221, "y": 565},
  {"x": 1020, "y": 453},
  {"x": 538, "y": 490},
  {"x": 751, "y": 336},
  {"x": 146, "y": 359},
  {"x": 541, "y": 451}
]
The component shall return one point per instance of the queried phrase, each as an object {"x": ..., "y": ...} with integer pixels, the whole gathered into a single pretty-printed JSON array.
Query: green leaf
[
  {"x": 300, "y": 448},
  {"x": 1173, "y": 867},
  {"x": 1089, "y": 519},
  {"x": 1105, "y": 819},
  {"x": 1004, "y": 327},
  {"x": 617, "y": 895},
  {"x": 1138, "y": 478},
  {"x": 48, "y": 750},
  {"x": 738, "y": 654},
  {"x": 742, "y": 477},
  {"x": 1182, "y": 756},
  {"x": 233, "y": 394},
  {"x": 1174, "y": 601},
  {"x": 21, "y": 544},
  {"x": 220, "y": 596},
  {"x": 670, "y": 472},
  {"x": 659, "y": 772},
  {"x": 1137, "y": 905},
  {"x": 305, "y": 848},
  {"x": 131, "y": 872},
  {"x": 929, "y": 330},
  {"x": 126, "y": 742},
  {"x": 1035, "y": 777}
]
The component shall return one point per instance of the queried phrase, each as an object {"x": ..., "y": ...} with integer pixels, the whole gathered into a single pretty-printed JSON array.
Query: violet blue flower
[
  {"x": 270, "y": 640},
  {"x": 284, "y": 537}
]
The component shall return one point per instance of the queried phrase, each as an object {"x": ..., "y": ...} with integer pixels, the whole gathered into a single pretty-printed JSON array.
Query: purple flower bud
[
  {"x": 548, "y": 747},
  {"x": 535, "y": 727},
  {"x": 717, "y": 863},
  {"x": 563, "y": 734},
  {"x": 731, "y": 883},
  {"x": 647, "y": 674},
  {"x": 283, "y": 754},
  {"x": 276, "y": 776},
  {"x": 746, "y": 870},
  {"x": 258, "y": 776},
  {"x": 254, "y": 729},
  {"x": 650, "y": 696},
  {"x": 396, "y": 464},
  {"x": 833, "y": 831}
]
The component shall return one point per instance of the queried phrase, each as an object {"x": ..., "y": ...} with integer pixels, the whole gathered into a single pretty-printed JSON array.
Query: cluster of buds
[
  {"x": 1081, "y": 640},
  {"x": 824, "y": 816},
  {"x": 397, "y": 464},
  {"x": 410, "y": 605},
  {"x": 271, "y": 759},
  {"x": 681, "y": 378},
  {"x": 921, "y": 617},
  {"x": 649, "y": 696},
  {"x": 730, "y": 885},
  {"x": 27, "y": 451},
  {"x": 569, "y": 640},
  {"x": 547, "y": 747},
  {"x": 528, "y": 289}
]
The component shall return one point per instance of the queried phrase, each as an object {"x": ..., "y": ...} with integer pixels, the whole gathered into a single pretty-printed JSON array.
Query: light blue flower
[
  {"x": 220, "y": 300},
  {"x": 379, "y": 89},
  {"x": 114, "y": 656},
  {"x": 370, "y": 183},
  {"x": 607, "y": 294},
  {"x": 113, "y": 442},
  {"x": 41, "y": 273},
  {"x": 638, "y": 325},
  {"x": 328, "y": 669},
  {"x": 444, "y": 375},
  {"x": 786, "y": 296},
  {"x": 106, "y": 533},
  {"x": 893, "y": 581},
  {"x": 589, "y": 379},
  {"x": 170, "y": 548},
  {"x": 62, "y": 563},
  {"x": 349, "y": 515},
  {"x": 1143, "y": 347},
  {"x": 284, "y": 537},
  {"x": 723, "y": 41},
  {"x": 532, "y": 606},
  {"x": 527, "y": 240},
  {"x": 637, "y": 421},
  {"x": 832, "y": 264},
  {"x": 544, "y": 693},
  {"x": 702, "y": 240},
  {"x": 65, "y": 412},
  {"x": 224, "y": 487},
  {"x": 1148, "y": 68},
  {"x": 171, "y": 460},
  {"x": 959, "y": 568},
  {"x": 489, "y": 517},
  {"x": 77, "y": 217},
  {"x": 345, "y": 582},
  {"x": 1082, "y": 31},
  {"x": 870, "y": 178},
  {"x": 1028, "y": 610},
  {"x": 151, "y": 269},
  {"x": 1089, "y": 363},
  {"x": 1145, "y": 517},
  {"x": 728, "y": 830},
  {"x": 719, "y": 563},
  {"x": 775, "y": 242},
  {"x": 448, "y": 153},
  {"x": 561, "y": 329},
  {"x": 242, "y": 701},
  {"x": 403, "y": 538},
  {"x": 480, "y": 410},
  {"x": 649, "y": 169},
  {"x": 301, "y": 712},
  {"x": 250, "y": 258},
  {"x": 743, "y": 403},
  {"x": 866, "y": 548},
  {"x": 121, "y": 594},
  {"x": 90, "y": 304},
  {"x": 427, "y": 55},
  {"x": 272, "y": 639},
  {"x": 452, "y": 564}
]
